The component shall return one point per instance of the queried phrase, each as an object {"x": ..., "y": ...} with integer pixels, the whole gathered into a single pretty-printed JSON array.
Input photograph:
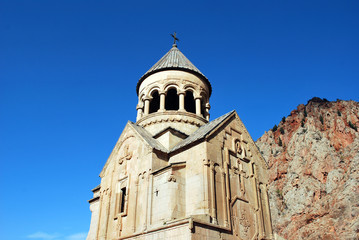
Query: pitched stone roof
[
  {"x": 202, "y": 132},
  {"x": 148, "y": 138},
  {"x": 196, "y": 137},
  {"x": 174, "y": 60},
  {"x": 199, "y": 134}
]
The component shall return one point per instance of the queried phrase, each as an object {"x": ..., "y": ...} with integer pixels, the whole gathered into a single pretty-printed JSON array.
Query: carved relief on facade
[
  {"x": 244, "y": 215},
  {"x": 171, "y": 178},
  {"x": 126, "y": 154},
  {"x": 173, "y": 119},
  {"x": 243, "y": 220},
  {"x": 238, "y": 176},
  {"x": 124, "y": 150},
  {"x": 238, "y": 147}
]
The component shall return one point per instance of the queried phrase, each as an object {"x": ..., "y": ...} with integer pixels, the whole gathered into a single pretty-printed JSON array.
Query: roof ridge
[
  {"x": 202, "y": 132},
  {"x": 148, "y": 138},
  {"x": 174, "y": 59}
]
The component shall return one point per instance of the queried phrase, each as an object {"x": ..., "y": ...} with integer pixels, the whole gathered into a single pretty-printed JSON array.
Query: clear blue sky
[{"x": 68, "y": 74}]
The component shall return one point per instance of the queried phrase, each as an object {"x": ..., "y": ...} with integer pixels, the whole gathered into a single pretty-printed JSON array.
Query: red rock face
[{"x": 314, "y": 171}]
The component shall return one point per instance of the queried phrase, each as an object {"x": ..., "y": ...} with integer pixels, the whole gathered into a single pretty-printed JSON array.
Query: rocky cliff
[{"x": 313, "y": 156}]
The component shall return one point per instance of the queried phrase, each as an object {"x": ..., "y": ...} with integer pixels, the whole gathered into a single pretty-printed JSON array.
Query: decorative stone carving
[
  {"x": 171, "y": 120},
  {"x": 207, "y": 162},
  {"x": 122, "y": 141},
  {"x": 244, "y": 222},
  {"x": 171, "y": 178},
  {"x": 142, "y": 175},
  {"x": 105, "y": 192},
  {"x": 235, "y": 170},
  {"x": 238, "y": 147},
  {"x": 126, "y": 155}
]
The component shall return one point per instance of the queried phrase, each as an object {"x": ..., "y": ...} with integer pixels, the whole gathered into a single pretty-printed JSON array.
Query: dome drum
[{"x": 173, "y": 91}]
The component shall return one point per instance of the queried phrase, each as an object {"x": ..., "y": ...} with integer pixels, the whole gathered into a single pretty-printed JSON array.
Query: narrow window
[
  {"x": 189, "y": 103},
  {"x": 123, "y": 200},
  {"x": 155, "y": 102},
  {"x": 172, "y": 100}
]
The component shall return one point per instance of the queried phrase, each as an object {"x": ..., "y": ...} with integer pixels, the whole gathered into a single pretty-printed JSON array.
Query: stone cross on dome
[{"x": 174, "y": 39}]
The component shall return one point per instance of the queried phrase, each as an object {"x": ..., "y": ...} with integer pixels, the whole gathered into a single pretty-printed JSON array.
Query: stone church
[{"x": 174, "y": 174}]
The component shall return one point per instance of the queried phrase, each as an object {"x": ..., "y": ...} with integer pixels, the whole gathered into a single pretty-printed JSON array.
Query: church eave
[
  {"x": 197, "y": 74},
  {"x": 140, "y": 132},
  {"x": 168, "y": 166},
  {"x": 94, "y": 199},
  {"x": 96, "y": 188},
  {"x": 203, "y": 132},
  {"x": 146, "y": 136}
]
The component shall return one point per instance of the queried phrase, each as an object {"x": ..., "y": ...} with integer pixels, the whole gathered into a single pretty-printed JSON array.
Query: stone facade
[{"x": 175, "y": 175}]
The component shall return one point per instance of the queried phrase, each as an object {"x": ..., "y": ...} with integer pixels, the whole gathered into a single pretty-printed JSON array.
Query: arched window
[
  {"x": 155, "y": 102},
  {"x": 189, "y": 103},
  {"x": 172, "y": 101}
]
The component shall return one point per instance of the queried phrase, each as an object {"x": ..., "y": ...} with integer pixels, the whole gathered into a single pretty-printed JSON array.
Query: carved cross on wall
[{"x": 125, "y": 155}]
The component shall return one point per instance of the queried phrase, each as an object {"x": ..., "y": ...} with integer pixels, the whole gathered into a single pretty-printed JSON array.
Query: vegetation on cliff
[{"x": 313, "y": 157}]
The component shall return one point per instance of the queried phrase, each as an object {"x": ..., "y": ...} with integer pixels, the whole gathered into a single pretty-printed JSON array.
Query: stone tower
[{"x": 176, "y": 175}]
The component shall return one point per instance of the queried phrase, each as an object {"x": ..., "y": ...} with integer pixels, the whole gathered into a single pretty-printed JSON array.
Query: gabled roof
[
  {"x": 148, "y": 138},
  {"x": 174, "y": 60},
  {"x": 172, "y": 130},
  {"x": 199, "y": 134},
  {"x": 203, "y": 131},
  {"x": 143, "y": 133}
]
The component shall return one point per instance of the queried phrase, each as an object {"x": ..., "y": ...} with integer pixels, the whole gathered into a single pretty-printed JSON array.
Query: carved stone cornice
[{"x": 172, "y": 116}]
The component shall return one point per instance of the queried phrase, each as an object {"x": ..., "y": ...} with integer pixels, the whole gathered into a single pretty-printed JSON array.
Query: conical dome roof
[{"x": 174, "y": 60}]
